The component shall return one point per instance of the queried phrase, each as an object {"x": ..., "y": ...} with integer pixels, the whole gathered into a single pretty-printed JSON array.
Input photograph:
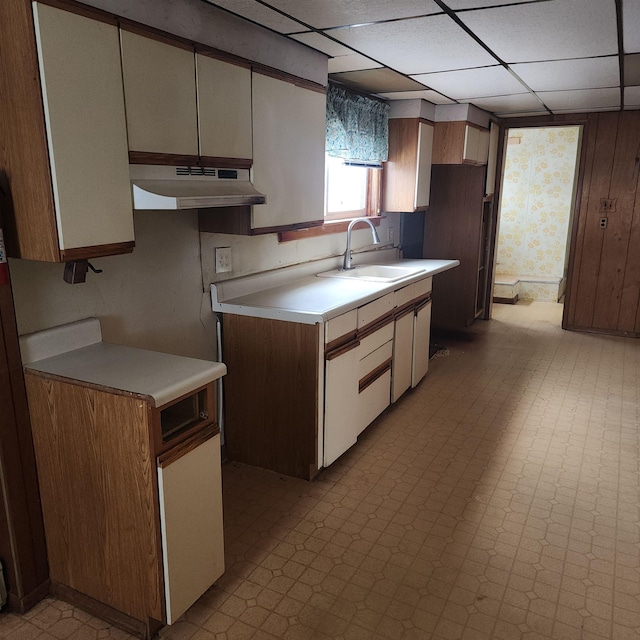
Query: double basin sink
[{"x": 373, "y": 273}]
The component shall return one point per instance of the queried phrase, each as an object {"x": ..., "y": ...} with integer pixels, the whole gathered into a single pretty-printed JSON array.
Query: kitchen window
[{"x": 352, "y": 190}]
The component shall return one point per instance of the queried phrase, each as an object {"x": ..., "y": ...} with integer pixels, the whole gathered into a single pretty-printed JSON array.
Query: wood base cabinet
[
  {"x": 297, "y": 396},
  {"x": 133, "y": 523}
]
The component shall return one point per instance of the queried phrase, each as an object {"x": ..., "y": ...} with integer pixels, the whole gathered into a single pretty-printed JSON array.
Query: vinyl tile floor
[{"x": 497, "y": 500}]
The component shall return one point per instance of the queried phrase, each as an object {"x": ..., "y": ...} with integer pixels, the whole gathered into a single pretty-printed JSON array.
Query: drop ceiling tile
[
  {"x": 508, "y": 104},
  {"x": 259, "y": 13},
  {"x": 417, "y": 46},
  {"x": 631, "y": 97},
  {"x": 456, "y": 5},
  {"x": 352, "y": 62},
  {"x": 632, "y": 69},
  {"x": 338, "y": 13},
  {"x": 473, "y": 83},
  {"x": 430, "y": 96},
  {"x": 547, "y": 30},
  {"x": 586, "y": 110},
  {"x": 558, "y": 75},
  {"x": 321, "y": 43},
  {"x": 631, "y": 26},
  {"x": 581, "y": 99},
  {"x": 377, "y": 81}
]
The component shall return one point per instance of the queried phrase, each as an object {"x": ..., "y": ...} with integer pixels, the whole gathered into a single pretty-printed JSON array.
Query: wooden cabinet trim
[
  {"x": 171, "y": 159},
  {"x": 378, "y": 372},
  {"x": 378, "y": 323},
  {"x": 82, "y": 10},
  {"x": 189, "y": 444},
  {"x": 286, "y": 227},
  {"x": 265, "y": 70},
  {"x": 420, "y": 306},
  {"x": 97, "y": 251},
  {"x": 338, "y": 351},
  {"x": 217, "y": 54},
  {"x": 156, "y": 34},
  {"x": 225, "y": 163},
  {"x": 88, "y": 385}
]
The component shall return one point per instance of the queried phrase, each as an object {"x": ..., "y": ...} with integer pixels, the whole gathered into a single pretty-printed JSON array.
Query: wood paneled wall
[{"x": 604, "y": 292}]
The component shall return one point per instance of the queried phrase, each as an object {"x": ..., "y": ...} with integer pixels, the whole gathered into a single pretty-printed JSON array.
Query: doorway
[{"x": 537, "y": 201}]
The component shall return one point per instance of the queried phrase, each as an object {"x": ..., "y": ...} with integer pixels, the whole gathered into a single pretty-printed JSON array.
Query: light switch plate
[{"x": 224, "y": 263}]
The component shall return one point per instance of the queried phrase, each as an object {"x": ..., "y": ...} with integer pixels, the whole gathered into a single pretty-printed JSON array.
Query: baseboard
[
  {"x": 144, "y": 630},
  {"x": 22, "y": 604},
  {"x": 506, "y": 300}
]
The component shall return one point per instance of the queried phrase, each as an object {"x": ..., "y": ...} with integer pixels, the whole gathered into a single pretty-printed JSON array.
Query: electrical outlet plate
[{"x": 223, "y": 260}]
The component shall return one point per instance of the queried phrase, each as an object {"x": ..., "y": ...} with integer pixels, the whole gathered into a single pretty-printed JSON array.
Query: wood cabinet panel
[
  {"x": 92, "y": 449},
  {"x": 31, "y": 231},
  {"x": 224, "y": 108},
  {"x": 271, "y": 393},
  {"x": 452, "y": 230},
  {"x": 604, "y": 284},
  {"x": 407, "y": 173},
  {"x": 160, "y": 95}
]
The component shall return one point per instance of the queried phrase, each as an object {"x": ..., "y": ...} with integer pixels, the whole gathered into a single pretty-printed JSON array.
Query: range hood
[{"x": 173, "y": 188}]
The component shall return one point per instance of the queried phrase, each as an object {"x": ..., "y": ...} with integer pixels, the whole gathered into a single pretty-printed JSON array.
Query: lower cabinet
[
  {"x": 298, "y": 395},
  {"x": 132, "y": 513}
]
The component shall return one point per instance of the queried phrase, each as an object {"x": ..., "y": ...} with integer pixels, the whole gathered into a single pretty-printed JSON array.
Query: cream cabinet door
[
  {"x": 224, "y": 108},
  {"x": 421, "y": 334},
  {"x": 160, "y": 95},
  {"x": 341, "y": 403},
  {"x": 423, "y": 172},
  {"x": 482, "y": 155},
  {"x": 81, "y": 82},
  {"x": 402, "y": 356},
  {"x": 288, "y": 152},
  {"x": 190, "y": 491}
]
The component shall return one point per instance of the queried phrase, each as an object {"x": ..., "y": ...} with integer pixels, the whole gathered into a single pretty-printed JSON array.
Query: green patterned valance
[{"x": 357, "y": 127}]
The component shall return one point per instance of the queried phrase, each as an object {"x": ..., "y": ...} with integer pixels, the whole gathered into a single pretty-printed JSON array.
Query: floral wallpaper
[{"x": 537, "y": 194}]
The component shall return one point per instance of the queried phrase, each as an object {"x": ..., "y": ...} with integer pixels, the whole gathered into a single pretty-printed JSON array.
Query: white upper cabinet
[
  {"x": 80, "y": 74},
  {"x": 224, "y": 108},
  {"x": 288, "y": 152},
  {"x": 160, "y": 95}
]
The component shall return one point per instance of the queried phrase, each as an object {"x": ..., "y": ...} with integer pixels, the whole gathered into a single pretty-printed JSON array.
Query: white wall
[
  {"x": 252, "y": 254},
  {"x": 152, "y": 298}
]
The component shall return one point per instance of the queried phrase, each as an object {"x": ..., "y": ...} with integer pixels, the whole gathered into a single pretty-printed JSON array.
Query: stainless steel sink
[{"x": 372, "y": 273}]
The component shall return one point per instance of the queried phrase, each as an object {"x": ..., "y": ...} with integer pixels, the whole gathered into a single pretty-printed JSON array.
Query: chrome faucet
[{"x": 346, "y": 264}]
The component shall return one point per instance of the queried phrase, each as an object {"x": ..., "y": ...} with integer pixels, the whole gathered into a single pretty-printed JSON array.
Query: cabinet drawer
[
  {"x": 422, "y": 287},
  {"x": 374, "y": 310},
  {"x": 376, "y": 358},
  {"x": 404, "y": 295},
  {"x": 373, "y": 400},
  {"x": 375, "y": 340},
  {"x": 340, "y": 326}
]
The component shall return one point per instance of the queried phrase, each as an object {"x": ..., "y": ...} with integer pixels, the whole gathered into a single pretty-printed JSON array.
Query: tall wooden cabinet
[
  {"x": 63, "y": 133},
  {"x": 454, "y": 228}
]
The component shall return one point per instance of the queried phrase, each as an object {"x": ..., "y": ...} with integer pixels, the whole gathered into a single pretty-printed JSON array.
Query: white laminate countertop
[
  {"x": 160, "y": 376},
  {"x": 312, "y": 299}
]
